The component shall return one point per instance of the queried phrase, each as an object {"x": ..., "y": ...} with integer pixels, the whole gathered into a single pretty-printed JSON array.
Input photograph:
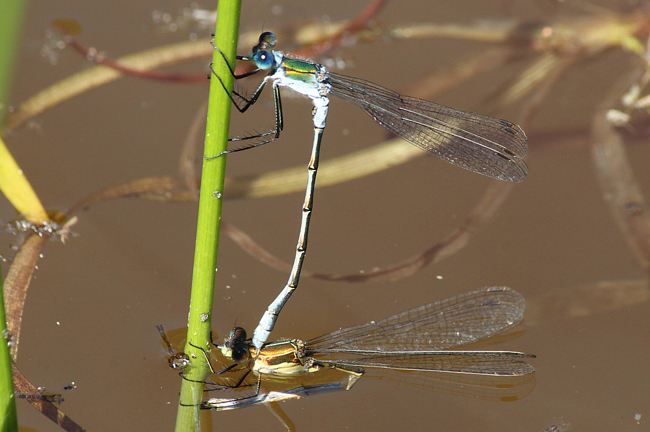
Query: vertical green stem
[
  {"x": 11, "y": 21},
  {"x": 209, "y": 219},
  {"x": 8, "y": 417}
]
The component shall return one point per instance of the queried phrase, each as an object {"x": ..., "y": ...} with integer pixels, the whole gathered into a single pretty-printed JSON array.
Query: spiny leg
[
  {"x": 279, "y": 121},
  {"x": 207, "y": 359},
  {"x": 232, "y": 71},
  {"x": 237, "y": 77},
  {"x": 226, "y": 369},
  {"x": 205, "y": 354},
  {"x": 228, "y": 404},
  {"x": 248, "y": 103}
]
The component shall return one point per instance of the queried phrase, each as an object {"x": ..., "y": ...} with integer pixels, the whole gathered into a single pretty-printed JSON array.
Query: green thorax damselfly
[
  {"x": 417, "y": 340},
  {"x": 485, "y": 145}
]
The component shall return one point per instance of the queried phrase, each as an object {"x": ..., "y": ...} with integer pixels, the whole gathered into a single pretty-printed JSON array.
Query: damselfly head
[
  {"x": 236, "y": 337},
  {"x": 235, "y": 346},
  {"x": 262, "y": 53}
]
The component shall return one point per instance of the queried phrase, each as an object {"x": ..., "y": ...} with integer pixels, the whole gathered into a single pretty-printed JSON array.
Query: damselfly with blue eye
[{"x": 485, "y": 145}]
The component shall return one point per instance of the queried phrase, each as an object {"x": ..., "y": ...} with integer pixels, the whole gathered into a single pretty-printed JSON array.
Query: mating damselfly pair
[
  {"x": 423, "y": 342},
  {"x": 485, "y": 145}
]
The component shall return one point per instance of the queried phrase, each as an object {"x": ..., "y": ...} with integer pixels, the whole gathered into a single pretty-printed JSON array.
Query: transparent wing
[
  {"x": 465, "y": 362},
  {"x": 502, "y": 388},
  {"x": 445, "y": 324},
  {"x": 485, "y": 145}
]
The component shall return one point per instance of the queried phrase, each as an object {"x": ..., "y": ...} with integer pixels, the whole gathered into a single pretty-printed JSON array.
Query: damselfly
[
  {"x": 418, "y": 340},
  {"x": 485, "y": 145}
]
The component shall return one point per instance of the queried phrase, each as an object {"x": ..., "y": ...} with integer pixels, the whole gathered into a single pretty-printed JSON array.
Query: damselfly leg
[
  {"x": 485, "y": 145},
  {"x": 279, "y": 122},
  {"x": 423, "y": 341}
]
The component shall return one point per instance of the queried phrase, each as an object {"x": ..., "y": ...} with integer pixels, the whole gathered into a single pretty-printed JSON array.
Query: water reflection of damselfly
[
  {"x": 418, "y": 340},
  {"x": 485, "y": 145}
]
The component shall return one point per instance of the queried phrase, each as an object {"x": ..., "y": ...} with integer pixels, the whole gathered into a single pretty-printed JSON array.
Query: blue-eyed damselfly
[{"x": 485, "y": 145}]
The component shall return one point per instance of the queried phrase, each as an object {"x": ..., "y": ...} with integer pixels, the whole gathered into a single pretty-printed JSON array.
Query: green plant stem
[
  {"x": 8, "y": 417},
  {"x": 209, "y": 218},
  {"x": 11, "y": 22}
]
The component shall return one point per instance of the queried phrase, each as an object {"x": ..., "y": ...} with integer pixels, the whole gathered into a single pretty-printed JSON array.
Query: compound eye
[
  {"x": 264, "y": 60},
  {"x": 238, "y": 333},
  {"x": 237, "y": 336},
  {"x": 267, "y": 41}
]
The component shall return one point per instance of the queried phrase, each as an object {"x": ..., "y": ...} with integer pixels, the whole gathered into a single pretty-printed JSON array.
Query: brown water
[{"x": 94, "y": 304}]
